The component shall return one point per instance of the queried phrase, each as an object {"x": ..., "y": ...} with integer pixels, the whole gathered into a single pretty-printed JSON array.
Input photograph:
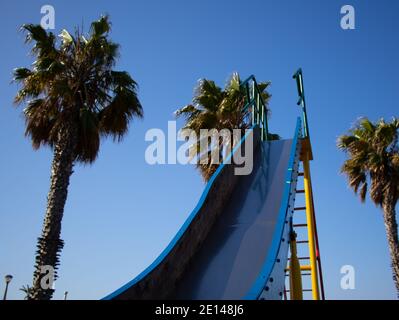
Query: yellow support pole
[
  {"x": 310, "y": 223},
  {"x": 295, "y": 272}
]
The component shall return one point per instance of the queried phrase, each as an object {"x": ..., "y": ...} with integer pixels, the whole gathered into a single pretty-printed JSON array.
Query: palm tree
[
  {"x": 73, "y": 98},
  {"x": 28, "y": 290},
  {"x": 373, "y": 164},
  {"x": 216, "y": 108}
]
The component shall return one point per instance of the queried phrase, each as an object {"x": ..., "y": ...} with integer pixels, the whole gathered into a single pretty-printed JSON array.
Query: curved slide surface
[{"x": 234, "y": 245}]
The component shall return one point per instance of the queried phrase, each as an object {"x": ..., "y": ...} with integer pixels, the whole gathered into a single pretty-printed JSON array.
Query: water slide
[{"x": 234, "y": 244}]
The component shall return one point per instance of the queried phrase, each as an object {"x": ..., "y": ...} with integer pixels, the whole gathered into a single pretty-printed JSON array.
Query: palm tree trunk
[
  {"x": 391, "y": 228},
  {"x": 49, "y": 244}
]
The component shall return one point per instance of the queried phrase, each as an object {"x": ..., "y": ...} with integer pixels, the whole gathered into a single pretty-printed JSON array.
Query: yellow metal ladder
[{"x": 297, "y": 271}]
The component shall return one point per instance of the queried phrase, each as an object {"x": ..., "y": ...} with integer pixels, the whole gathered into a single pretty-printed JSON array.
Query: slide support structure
[
  {"x": 317, "y": 286},
  {"x": 295, "y": 271},
  {"x": 311, "y": 228}
]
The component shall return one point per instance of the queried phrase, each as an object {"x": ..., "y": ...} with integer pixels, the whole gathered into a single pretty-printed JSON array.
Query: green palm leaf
[{"x": 216, "y": 108}]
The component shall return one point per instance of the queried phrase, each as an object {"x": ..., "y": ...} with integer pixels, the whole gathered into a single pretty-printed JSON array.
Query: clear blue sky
[{"x": 121, "y": 212}]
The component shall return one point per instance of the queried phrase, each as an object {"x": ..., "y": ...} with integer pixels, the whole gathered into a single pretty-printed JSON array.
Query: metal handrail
[
  {"x": 252, "y": 77},
  {"x": 259, "y": 116},
  {"x": 298, "y": 76}
]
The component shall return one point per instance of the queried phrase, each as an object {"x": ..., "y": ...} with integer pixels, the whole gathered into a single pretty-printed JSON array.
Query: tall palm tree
[
  {"x": 216, "y": 108},
  {"x": 373, "y": 164},
  {"x": 73, "y": 98}
]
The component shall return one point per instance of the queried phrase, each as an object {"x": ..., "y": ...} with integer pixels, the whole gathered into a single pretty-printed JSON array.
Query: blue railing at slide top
[{"x": 255, "y": 105}]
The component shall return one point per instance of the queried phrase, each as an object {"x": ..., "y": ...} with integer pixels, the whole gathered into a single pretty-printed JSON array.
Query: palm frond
[
  {"x": 44, "y": 43},
  {"x": 66, "y": 38},
  {"x": 76, "y": 80},
  {"x": 372, "y": 150},
  {"x": 216, "y": 108},
  {"x": 100, "y": 27},
  {"x": 21, "y": 74}
]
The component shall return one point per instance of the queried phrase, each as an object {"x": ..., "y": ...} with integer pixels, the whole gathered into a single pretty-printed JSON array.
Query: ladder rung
[
  {"x": 300, "y": 174},
  {"x": 300, "y": 225},
  {"x": 307, "y": 290},
  {"x": 302, "y": 274},
  {"x": 302, "y": 241},
  {"x": 299, "y": 208},
  {"x": 300, "y": 258},
  {"x": 300, "y": 191},
  {"x": 305, "y": 267}
]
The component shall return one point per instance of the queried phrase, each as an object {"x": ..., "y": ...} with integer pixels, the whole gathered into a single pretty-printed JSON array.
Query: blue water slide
[{"x": 234, "y": 244}]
